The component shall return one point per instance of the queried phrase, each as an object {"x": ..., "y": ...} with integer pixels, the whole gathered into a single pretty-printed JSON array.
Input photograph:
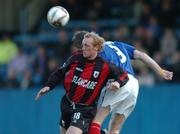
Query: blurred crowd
[{"x": 155, "y": 32}]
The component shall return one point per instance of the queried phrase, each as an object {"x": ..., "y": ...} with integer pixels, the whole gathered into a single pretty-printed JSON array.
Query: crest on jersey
[{"x": 96, "y": 74}]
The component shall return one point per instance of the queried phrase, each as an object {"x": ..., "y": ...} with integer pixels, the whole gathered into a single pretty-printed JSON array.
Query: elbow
[{"x": 139, "y": 55}]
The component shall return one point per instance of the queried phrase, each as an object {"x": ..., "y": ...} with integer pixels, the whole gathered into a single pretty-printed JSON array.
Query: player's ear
[{"x": 96, "y": 48}]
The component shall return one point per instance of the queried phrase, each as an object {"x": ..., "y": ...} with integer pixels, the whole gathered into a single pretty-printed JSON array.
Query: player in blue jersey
[
  {"x": 118, "y": 53},
  {"x": 121, "y": 102}
]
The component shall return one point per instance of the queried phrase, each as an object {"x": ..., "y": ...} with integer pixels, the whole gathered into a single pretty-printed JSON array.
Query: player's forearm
[
  {"x": 54, "y": 79},
  {"x": 119, "y": 74}
]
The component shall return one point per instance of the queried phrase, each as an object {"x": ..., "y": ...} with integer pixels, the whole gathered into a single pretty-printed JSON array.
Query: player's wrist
[{"x": 161, "y": 72}]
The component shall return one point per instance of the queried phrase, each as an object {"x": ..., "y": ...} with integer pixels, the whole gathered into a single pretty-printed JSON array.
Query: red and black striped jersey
[{"x": 84, "y": 79}]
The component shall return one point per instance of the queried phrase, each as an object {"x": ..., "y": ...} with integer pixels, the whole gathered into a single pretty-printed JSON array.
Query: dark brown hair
[{"x": 77, "y": 38}]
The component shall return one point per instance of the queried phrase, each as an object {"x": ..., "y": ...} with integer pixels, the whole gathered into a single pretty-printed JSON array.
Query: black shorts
[{"x": 76, "y": 115}]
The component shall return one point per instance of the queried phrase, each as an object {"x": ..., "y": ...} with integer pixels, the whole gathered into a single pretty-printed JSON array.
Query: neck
[{"x": 92, "y": 57}]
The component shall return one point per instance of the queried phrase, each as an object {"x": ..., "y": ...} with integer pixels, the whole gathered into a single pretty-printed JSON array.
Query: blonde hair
[{"x": 98, "y": 41}]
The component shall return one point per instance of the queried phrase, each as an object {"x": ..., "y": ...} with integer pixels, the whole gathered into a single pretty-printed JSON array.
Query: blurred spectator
[
  {"x": 17, "y": 68},
  {"x": 26, "y": 82},
  {"x": 40, "y": 66},
  {"x": 11, "y": 81},
  {"x": 63, "y": 50},
  {"x": 138, "y": 9},
  {"x": 149, "y": 23},
  {"x": 168, "y": 43},
  {"x": 150, "y": 41},
  {"x": 146, "y": 78},
  {"x": 20, "y": 63},
  {"x": 168, "y": 48},
  {"x": 74, "y": 7},
  {"x": 122, "y": 33},
  {"x": 176, "y": 66},
  {"x": 96, "y": 10},
  {"x": 145, "y": 14},
  {"x": 138, "y": 33},
  {"x": 158, "y": 58},
  {"x": 8, "y": 50},
  {"x": 106, "y": 35},
  {"x": 154, "y": 26},
  {"x": 52, "y": 65},
  {"x": 94, "y": 26},
  {"x": 167, "y": 13},
  {"x": 63, "y": 37}
]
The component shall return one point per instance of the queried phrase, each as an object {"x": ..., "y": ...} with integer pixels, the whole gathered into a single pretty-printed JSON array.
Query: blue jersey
[{"x": 118, "y": 53}]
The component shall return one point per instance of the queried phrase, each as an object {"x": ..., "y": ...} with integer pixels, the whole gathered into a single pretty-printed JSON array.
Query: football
[{"x": 57, "y": 16}]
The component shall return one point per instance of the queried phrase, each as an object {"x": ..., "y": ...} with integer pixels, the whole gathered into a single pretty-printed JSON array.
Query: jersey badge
[{"x": 96, "y": 74}]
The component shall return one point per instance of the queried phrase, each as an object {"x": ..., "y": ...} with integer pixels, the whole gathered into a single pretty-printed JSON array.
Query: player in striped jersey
[
  {"x": 121, "y": 103},
  {"x": 84, "y": 74}
]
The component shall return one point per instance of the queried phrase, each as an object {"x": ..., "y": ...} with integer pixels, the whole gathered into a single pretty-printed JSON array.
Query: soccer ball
[{"x": 57, "y": 16}]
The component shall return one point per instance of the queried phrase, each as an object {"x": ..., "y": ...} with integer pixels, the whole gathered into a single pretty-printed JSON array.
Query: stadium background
[{"x": 30, "y": 49}]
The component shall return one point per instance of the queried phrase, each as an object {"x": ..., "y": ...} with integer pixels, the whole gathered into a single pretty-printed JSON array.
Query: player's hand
[
  {"x": 42, "y": 92},
  {"x": 166, "y": 74},
  {"x": 113, "y": 86}
]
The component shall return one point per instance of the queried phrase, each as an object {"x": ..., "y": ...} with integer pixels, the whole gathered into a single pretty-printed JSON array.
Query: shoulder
[
  {"x": 77, "y": 52},
  {"x": 112, "y": 44},
  {"x": 99, "y": 59},
  {"x": 77, "y": 56},
  {"x": 102, "y": 61}
]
